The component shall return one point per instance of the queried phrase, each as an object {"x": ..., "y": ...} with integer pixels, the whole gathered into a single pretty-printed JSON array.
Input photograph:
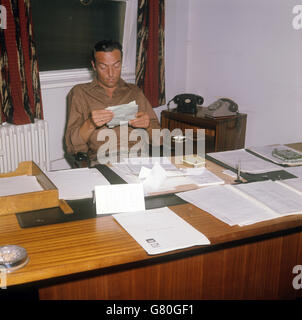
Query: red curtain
[
  {"x": 150, "y": 58},
  {"x": 20, "y": 93}
]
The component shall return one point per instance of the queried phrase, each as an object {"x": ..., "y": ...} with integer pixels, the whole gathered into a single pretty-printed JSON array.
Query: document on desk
[
  {"x": 227, "y": 205},
  {"x": 202, "y": 176},
  {"x": 76, "y": 183},
  {"x": 122, "y": 113},
  {"x": 246, "y": 203},
  {"x": 158, "y": 230},
  {"x": 248, "y": 162},
  {"x": 18, "y": 185},
  {"x": 275, "y": 196}
]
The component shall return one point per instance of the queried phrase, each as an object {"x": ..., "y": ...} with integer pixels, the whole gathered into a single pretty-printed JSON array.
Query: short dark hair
[{"x": 106, "y": 46}]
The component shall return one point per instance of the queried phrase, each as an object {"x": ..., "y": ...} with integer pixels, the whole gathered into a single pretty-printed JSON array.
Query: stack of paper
[
  {"x": 18, "y": 185},
  {"x": 76, "y": 183},
  {"x": 248, "y": 203},
  {"x": 248, "y": 163},
  {"x": 158, "y": 230}
]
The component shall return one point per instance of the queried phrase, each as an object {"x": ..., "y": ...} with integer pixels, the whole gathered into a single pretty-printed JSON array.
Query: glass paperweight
[{"x": 12, "y": 257}]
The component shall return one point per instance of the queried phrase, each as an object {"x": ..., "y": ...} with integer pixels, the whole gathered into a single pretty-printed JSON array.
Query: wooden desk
[
  {"x": 97, "y": 259},
  {"x": 221, "y": 134}
]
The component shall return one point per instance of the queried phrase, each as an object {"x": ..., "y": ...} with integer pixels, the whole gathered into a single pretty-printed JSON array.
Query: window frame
[{"x": 71, "y": 77}]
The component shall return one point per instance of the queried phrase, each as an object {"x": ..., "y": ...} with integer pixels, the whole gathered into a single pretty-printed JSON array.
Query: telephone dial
[
  {"x": 187, "y": 102},
  {"x": 221, "y": 108}
]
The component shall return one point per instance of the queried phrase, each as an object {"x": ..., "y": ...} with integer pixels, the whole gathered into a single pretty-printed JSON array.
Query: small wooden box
[{"x": 48, "y": 198}]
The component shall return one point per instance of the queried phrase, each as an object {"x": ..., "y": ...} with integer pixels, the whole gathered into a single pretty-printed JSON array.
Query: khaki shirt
[{"x": 83, "y": 98}]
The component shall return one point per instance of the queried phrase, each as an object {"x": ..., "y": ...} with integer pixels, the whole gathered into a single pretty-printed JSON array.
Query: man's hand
[
  {"x": 142, "y": 120},
  {"x": 101, "y": 117}
]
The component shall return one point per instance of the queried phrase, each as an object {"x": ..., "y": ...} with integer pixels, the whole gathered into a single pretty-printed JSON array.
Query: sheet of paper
[
  {"x": 224, "y": 203},
  {"x": 158, "y": 230},
  {"x": 294, "y": 184},
  {"x": 202, "y": 176},
  {"x": 154, "y": 179},
  {"x": 230, "y": 173},
  {"x": 122, "y": 113},
  {"x": 18, "y": 185},
  {"x": 296, "y": 171},
  {"x": 117, "y": 198},
  {"x": 248, "y": 163},
  {"x": 274, "y": 195},
  {"x": 76, "y": 183},
  {"x": 266, "y": 152}
]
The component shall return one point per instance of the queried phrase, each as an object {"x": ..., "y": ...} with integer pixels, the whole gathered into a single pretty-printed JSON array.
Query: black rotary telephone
[{"x": 187, "y": 102}]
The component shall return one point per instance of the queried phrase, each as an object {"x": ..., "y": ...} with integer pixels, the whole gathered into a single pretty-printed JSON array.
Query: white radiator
[{"x": 28, "y": 142}]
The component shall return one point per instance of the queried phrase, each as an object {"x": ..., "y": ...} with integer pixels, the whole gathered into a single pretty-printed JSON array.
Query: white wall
[
  {"x": 176, "y": 34},
  {"x": 247, "y": 50},
  {"x": 54, "y": 107}
]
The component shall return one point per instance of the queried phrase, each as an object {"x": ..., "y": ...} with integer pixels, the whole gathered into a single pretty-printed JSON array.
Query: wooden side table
[{"x": 225, "y": 133}]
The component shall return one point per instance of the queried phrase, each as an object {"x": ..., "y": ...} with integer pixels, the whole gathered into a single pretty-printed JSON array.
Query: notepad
[{"x": 159, "y": 230}]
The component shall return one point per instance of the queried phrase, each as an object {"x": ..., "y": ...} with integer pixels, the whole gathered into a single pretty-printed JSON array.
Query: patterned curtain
[
  {"x": 150, "y": 56},
  {"x": 20, "y": 93}
]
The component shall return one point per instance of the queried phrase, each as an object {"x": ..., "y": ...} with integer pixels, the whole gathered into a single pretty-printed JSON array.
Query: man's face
[{"x": 108, "y": 66}]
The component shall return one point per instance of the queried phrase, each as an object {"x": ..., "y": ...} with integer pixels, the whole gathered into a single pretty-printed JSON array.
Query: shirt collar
[{"x": 94, "y": 84}]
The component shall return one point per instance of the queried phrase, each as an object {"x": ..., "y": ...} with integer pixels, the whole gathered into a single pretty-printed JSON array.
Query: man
[{"x": 87, "y": 103}]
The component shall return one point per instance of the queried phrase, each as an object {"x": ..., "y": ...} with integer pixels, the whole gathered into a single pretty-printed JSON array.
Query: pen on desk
[
  {"x": 238, "y": 180},
  {"x": 93, "y": 197}
]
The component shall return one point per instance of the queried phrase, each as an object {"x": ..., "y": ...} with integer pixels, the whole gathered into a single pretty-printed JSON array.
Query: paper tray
[{"x": 47, "y": 198}]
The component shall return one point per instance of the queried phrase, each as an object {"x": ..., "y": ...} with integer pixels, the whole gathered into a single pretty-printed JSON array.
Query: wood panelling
[{"x": 249, "y": 271}]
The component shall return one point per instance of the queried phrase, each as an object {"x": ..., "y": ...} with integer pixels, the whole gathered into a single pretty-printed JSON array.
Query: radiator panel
[{"x": 29, "y": 142}]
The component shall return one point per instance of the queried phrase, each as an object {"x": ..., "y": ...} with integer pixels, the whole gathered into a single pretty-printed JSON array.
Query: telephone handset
[
  {"x": 187, "y": 102},
  {"x": 221, "y": 108}
]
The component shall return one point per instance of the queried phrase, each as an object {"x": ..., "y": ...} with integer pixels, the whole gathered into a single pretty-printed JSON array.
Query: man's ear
[{"x": 93, "y": 65}]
